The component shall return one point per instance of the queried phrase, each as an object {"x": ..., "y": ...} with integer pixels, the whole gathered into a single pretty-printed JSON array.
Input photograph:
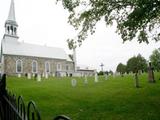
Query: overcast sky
[{"x": 45, "y": 23}]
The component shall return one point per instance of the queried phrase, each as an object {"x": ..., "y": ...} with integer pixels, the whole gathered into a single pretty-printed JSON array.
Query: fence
[{"x": 12, "y": 108}]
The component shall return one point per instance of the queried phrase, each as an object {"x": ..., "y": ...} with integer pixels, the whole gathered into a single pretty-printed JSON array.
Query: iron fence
[{"x": 12, "y": 108}]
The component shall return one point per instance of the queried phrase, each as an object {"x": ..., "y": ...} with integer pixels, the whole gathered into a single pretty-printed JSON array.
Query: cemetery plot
[{"x": 113, "y": 99}]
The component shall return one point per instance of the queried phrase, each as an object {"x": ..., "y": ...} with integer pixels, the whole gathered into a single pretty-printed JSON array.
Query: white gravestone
[
  {"x": 29, "y": 76},
  {"x": 96, "y": 78},
  {"x": 46, "y": 75},
  {"x": 53, "y": 75},
  {"x": 85, "y": 80},
  {"x": 74, "y": 83},
  {"x": 19, "y": 75},
  {"x": 106, "y": 77},
  {"x": 39, "y": 78},
  {"x": 43, "y": 75},
  {"x": 33, "y": 75}
]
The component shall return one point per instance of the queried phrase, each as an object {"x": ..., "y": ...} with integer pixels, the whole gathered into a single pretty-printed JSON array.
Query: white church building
[
  {"x": 19, "y": 58},
  {"x": 23, "y": 58}
]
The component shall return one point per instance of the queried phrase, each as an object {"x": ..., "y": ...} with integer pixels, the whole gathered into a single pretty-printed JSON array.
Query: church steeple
[
  {"x": 11, "y": 15},
  {"x": 11, "y": 24}
]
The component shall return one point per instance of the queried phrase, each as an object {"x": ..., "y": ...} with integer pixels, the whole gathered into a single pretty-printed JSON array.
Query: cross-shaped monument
[{"x": 102, "y": 65}]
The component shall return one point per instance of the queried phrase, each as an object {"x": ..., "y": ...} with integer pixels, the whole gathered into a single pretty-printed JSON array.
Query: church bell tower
[{"x": 11, "y": 25}]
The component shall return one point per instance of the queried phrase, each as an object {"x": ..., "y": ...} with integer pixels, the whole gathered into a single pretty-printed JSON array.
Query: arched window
[
  {"x": 67, "y": 67},
  {"x": 19, "y": 65},
  {"x": 47, "y": 67},
  {"x": 59, "y": 67},
  {"x": 34, "y": 66}
]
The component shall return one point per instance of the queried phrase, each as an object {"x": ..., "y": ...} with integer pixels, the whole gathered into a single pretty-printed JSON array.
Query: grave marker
[
  {"x": 74, "y": 82},
  {"x": 85, "y": 80},
  {"x": 19, "y": 75},
  {"x": 96, "y": 78},
  {"x": 29, "y": 76},
  {"x": 151, "y": 74},
  {"x": 106, "y": 77},
  {"x": 46, "y": 75},
  {"x": 39, "y": 78}
]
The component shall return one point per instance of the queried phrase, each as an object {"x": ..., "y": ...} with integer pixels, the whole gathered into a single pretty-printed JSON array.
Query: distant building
[{"x": 85, "y": 71}]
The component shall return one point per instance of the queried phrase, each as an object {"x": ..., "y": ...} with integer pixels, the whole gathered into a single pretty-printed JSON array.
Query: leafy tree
[
  {"x": 134, "y": 18},
  {"x": 121, "y": 68},
  {"x": 132, "y": 65},
  {"x": 100, "y": 73},
  {"x": 142, "y": 63},
  {"x": 110, "y": 72},
  {"x": 155, "y": 59},
  {"x": 136, "y": 63}
]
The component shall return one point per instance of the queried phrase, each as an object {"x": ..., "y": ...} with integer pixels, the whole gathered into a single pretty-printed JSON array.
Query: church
[{"x": 19, "y": 58}]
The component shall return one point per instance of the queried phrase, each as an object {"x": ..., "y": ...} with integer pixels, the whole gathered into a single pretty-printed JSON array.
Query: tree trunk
[{"x": 136, "y": 80}]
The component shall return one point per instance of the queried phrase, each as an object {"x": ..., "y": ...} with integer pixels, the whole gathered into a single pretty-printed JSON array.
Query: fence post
[{"x": 3, "y": 92}]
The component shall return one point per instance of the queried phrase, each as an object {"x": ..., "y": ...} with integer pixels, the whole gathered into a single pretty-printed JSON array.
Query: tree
[
  {"x": 121, "y": 68},
  {"x": 136, "y": 63},
  {"x": 110, "y": 72},
  {"x": 100, "y": 73},
  {"x": 142, "y": 63},
  {"x": 155, "y": 59},
  {"x": 134, "y": 18}
]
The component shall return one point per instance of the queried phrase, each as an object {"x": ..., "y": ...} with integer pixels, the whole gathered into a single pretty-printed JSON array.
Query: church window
[
  {"x": 67, "y": 67},
  {"x": 47, "y": 67},
  {"x": 59, "y": 66},
  {"x": 19, "y": 66},
  {"x": 34, "y": 66}
]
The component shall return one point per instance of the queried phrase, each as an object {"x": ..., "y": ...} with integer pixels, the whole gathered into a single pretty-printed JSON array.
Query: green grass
[{"x": 112, "y": 99}]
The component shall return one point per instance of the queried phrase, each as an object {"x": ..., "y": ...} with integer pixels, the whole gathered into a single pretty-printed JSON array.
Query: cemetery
[
  {"x": 91, "y": 98},
  {"x": 43, "y": 82}
]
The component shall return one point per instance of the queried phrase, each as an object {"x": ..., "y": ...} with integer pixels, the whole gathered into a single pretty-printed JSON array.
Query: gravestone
[
  {"x": 39, "y": 78},
  {"x": 106, "y": 77},
  {"x": 19, "y": 75},
  {"x": 151, "y": 74},
  {"x": 46, "y": 75},
  {"x": 53, "y": 74},
  {"x": 96, "y": 77},
  {"x": 29, "y": 76},
  {"x": 33, "y": 75},
  {"x": 85, "y": 80},
  {"x": 43, "y": 75},
  {"x": 74, "y": 82}
]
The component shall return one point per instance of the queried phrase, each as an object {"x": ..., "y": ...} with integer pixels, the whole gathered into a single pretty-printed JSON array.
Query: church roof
[{"x": 26, "y": 49}]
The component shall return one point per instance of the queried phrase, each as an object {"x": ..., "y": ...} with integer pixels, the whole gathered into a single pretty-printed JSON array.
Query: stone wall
[{"x": 10, "y": 64}]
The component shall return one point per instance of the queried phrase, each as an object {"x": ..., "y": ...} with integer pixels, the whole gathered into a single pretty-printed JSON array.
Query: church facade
[{"x": 23, "y": 58}]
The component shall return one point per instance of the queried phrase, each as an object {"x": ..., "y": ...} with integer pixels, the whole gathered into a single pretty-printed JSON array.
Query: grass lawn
[{"x": 112, "y": 99}]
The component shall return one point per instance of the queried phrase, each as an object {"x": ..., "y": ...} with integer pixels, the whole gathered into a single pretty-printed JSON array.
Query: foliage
[
  {"x": 100, "y": 73},
  {"x": 121, "y": 68},
  {"x": 136, "y": 63},
  {"x": 110, "y": 72},
  {"x": 134, "y": 18},
  {"x": 112, "y": 99},
  {"x": 155, "y": 59}
]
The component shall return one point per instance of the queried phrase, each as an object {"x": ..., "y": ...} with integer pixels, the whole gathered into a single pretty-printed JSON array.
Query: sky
[{"x": 44, "y": 22}]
